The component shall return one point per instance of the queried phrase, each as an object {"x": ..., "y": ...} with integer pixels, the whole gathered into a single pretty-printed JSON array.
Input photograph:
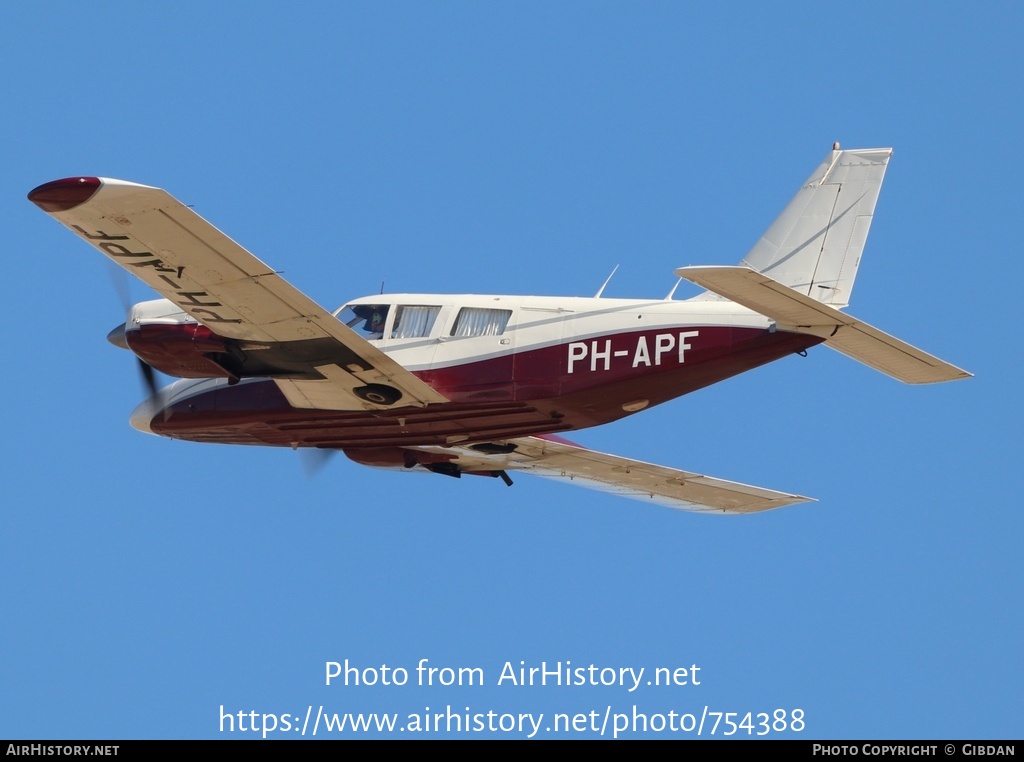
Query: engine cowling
[{"x": 168, "y": 339}]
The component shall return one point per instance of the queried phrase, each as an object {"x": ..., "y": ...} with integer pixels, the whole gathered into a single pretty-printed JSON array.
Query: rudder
[{"x": 815, "y": 245}]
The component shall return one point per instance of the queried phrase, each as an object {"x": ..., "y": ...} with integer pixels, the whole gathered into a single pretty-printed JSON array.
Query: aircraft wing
[
  {"x": 224, "y": 287},
  {"x": 555, "y": 458}
]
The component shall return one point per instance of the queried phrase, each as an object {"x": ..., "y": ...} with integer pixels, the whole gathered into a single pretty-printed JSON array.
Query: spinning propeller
[
  {"x": 118, "y": 338},
  {"x": 314, "y": 459}
]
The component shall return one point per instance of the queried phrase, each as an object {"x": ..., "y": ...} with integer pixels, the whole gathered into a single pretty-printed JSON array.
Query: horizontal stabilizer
[{"x": 797, "y": 312}]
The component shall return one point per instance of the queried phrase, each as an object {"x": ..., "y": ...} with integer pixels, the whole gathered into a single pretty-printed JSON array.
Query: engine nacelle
[
  {"x": 402, "y": 458},
  {"x": 394, "y": 457},
  {"x": 170, "y": 340}
]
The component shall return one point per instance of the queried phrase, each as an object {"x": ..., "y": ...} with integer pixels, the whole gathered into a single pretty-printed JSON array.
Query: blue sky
[{"x": 520, "y": 148}]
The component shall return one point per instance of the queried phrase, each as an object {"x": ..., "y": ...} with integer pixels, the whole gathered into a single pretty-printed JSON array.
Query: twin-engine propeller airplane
[{"x": 472, "y": 384}]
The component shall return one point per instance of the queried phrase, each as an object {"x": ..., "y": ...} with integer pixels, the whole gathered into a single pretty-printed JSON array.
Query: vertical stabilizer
[{"x": 815, "y": 245}]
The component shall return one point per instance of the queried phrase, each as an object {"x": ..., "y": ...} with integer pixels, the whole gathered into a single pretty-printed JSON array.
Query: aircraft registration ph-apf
[{"x": 470, "y": 384}]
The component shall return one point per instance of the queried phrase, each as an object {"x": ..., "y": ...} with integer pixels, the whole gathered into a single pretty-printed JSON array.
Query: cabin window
[
  {"x": 366, "y": 319},
  {"x": 474, "y": 321},
  {"x": 414, "y": 321}
]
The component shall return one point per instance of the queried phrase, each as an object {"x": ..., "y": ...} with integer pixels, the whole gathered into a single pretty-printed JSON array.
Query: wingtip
[{"x": 62, "y": 195}]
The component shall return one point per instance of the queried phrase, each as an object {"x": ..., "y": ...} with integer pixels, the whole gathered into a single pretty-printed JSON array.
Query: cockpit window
[
  {"x": 414, "y": 321},
  {"x": 476, "y": 321},
  {"x": 366, "y": 319}
]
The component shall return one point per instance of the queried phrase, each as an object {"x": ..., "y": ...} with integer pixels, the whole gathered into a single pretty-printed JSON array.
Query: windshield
[{"x": 365, "y": 319}]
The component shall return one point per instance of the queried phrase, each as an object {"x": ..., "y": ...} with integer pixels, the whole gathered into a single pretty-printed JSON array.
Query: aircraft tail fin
[
  {"x": 814, "y": 247},
  {"x": 795, "y": 311}
]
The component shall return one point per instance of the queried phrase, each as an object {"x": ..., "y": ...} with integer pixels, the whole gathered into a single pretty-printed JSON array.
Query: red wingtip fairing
[{"x": 61, "y": 195}]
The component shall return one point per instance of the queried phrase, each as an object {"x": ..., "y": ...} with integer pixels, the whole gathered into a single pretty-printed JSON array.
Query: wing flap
[
  {"x": 844, "y": 333},
  {"x": 220, "y": 284},
  {"x": 674, "y": 488}
]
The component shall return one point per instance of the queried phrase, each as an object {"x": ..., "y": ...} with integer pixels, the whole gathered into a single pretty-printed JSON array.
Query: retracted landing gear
[{"x": 378, "y": 394}]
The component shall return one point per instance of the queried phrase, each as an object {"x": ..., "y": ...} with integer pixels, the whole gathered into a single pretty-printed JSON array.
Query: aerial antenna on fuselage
[
  {"x": 382, "y": 285},
  {"x": 607, "y": 280},
  {"x": 673, "y": 291}
]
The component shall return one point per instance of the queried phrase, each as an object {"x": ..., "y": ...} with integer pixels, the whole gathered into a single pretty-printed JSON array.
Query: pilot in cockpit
[
  {"x": 368, "y": 320},
  {"x": 375, "y": 323}
]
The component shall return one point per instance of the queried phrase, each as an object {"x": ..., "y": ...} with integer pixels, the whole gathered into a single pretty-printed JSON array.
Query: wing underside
[
  {"x": 674, "y": 488},
  {"x": 221, "y": 285}
]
